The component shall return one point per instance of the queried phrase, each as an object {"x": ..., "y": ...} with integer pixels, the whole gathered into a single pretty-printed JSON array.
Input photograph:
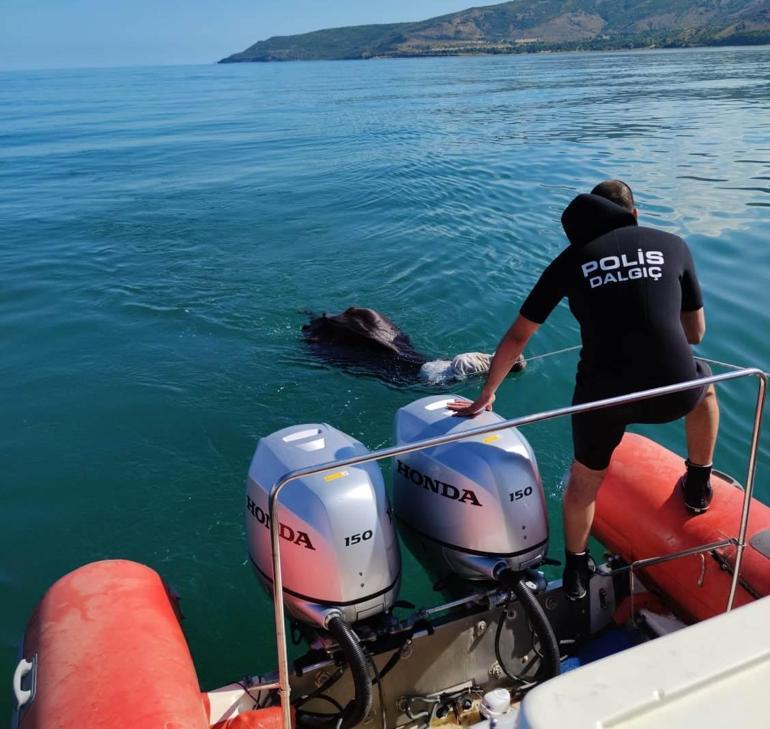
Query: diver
[{"x": 636, "y": 296}]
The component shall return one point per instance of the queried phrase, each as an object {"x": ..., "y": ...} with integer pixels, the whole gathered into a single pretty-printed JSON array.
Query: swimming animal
[{"x": 365, "y": 338}]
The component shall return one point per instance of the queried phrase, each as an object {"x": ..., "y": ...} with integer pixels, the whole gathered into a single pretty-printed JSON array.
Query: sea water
[{"x": 164, "y": 231}]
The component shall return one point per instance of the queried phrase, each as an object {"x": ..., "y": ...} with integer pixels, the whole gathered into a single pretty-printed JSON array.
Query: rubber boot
[
  {"x": 696, "y": 487},
  {"x": 577, "y": 572}
]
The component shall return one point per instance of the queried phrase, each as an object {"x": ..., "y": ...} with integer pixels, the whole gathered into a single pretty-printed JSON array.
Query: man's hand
[
  {"x": 466, "y": 408},
  {"x": 507, "y": 354}
]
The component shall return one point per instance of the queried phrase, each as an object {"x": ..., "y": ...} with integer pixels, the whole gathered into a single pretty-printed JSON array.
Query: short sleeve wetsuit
[{"x": 627, "y": 286}]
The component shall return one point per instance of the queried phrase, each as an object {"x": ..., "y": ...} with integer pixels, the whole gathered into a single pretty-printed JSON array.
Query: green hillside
[{"x": 524, "y": 26}]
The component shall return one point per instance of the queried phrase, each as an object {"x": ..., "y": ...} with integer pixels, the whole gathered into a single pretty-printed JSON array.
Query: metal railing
[{"x": 740, "y": 541}]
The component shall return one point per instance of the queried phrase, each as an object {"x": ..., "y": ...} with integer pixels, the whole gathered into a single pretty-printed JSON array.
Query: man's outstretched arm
[{"x": 511, "y": 346}]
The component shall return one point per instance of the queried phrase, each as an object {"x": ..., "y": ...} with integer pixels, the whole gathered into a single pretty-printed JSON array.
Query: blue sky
[{"x": 82, "y": 33}]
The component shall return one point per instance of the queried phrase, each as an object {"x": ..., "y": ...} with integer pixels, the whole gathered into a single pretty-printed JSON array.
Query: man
[{"x": 637, "y": 299}]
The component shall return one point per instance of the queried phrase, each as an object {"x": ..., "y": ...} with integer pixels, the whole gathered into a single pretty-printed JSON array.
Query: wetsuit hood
[{"x": 589, "y": 216}]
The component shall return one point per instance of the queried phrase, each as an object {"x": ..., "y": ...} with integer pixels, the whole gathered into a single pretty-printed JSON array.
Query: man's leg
[
  {"x": 579, "y": 506},
  {"x": 595, "y": 436},
  {"x": 701, "y": 427}
]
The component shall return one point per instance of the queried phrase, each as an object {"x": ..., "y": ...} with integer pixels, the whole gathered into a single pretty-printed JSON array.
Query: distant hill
[{"x": 525, "y": 26}]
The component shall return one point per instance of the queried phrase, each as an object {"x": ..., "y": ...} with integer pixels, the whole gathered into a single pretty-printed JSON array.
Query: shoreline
[{"x": 466, "y": 53}]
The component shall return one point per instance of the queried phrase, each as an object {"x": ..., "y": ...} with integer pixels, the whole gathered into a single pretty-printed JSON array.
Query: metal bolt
[
  {"x": 480, "y": 628},
  {"x": 496, "y": 671},
  {"x": 407, "y": 650}
]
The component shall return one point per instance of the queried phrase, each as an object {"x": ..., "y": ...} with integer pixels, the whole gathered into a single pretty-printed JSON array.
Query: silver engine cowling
[
  {"x": 475, "y": 503},
  {"x": 339, "y": 550}
]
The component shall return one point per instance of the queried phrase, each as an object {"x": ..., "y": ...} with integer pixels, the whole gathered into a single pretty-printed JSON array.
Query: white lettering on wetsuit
[{"x": 618, "y": 269}]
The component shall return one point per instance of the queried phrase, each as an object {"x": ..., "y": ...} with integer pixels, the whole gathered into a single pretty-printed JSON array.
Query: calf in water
[{"x": 364, "y": 339}]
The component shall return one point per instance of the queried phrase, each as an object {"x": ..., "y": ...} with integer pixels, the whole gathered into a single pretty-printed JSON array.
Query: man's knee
[
  {"x": 584, "y": 482},
  {"x": 708, "y": 402}
]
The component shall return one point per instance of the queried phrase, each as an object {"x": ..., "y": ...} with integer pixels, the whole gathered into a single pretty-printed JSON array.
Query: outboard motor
[
  {"x": 476, "y": 507},
  {"x": 339, "y": 550},
  {"x": 340, "y": 559},
  {"x": 475, "y": 503}
]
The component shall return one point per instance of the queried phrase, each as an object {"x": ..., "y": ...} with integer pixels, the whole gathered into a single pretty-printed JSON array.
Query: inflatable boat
[{"x": 502, "y": 647}]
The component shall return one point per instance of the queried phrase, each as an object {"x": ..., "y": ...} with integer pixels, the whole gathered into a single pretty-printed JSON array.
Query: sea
[{"x": 165, "y": 232}]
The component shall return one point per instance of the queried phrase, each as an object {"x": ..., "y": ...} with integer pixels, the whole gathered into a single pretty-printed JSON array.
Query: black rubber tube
[
  {"x": 549, "y": 646},
  {"x": 358, "y": 709}
]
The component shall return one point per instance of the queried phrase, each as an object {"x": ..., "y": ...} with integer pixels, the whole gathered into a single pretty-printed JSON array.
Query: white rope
[
  {"x": 553, "y": 354},
  {"x": 721, "y": 364}
]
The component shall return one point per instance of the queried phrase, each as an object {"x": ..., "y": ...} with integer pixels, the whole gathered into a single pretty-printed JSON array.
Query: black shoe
[
  {"x": 577, "y": 574},
  {"x": 697, "y": 497}
]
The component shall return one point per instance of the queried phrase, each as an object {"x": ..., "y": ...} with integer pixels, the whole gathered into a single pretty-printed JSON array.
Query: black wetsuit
[{"x": 627, "y": 286}]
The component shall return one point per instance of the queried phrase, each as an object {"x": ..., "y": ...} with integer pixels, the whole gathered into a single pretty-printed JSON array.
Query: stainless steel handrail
[
  {"x": 280, "y": 631},
  {"x": 660, "y": 559}
]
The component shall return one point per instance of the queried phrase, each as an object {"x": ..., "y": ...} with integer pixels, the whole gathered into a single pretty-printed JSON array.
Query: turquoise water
[{"x": 163, "y": 231}]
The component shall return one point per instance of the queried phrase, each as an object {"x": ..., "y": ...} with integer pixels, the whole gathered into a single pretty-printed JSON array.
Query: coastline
[{"x": 466, "y": 52}]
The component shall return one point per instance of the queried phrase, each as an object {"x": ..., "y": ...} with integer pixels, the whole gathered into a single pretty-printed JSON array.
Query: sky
[{"x": 102, "y": 33}]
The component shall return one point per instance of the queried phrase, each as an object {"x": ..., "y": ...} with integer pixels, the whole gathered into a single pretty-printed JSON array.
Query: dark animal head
[{"x": 365, "y": 338}]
